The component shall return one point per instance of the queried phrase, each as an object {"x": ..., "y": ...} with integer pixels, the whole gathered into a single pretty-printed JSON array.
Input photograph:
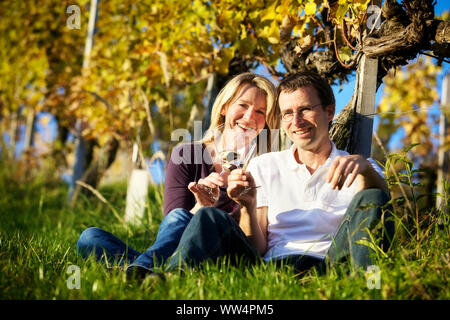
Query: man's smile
[{"x": 302, "y": 131}]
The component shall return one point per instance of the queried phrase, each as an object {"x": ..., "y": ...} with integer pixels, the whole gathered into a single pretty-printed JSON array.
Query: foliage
[
  {"x": 408, "y": 95},
  {"x": 38, "y": 234},
  {"x": 147, "y": 53},
  {"x": 39, "y": 53},
  {"x": 150, "y": 60}
]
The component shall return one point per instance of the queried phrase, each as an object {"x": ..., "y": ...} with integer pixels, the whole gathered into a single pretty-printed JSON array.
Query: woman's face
[{"x": 245, "y": 116}]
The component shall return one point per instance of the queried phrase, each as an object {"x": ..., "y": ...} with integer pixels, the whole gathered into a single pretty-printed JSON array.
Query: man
[{"x": 303, "y": 205}]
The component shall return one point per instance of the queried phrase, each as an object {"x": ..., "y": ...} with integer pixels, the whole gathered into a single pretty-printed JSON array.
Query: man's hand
[
  {"x": 242, "y": 188},
  {"x": 206, "y": 190},
  {"x": 253, "y": 221},
  {"x": 346, "y": 169}
]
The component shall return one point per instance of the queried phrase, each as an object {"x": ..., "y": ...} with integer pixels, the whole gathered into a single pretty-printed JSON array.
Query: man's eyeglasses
[{"x": 304, "y": 112}]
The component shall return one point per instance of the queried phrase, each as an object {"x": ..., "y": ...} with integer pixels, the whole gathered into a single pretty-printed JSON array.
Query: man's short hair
[{"x": 305, "y": 79}]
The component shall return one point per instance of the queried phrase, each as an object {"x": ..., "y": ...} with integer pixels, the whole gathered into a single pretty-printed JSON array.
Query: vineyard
[{"x": 94, "y": 91}]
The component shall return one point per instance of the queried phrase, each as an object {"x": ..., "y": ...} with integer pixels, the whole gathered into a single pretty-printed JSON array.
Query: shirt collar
[{"x": 292, "y": 164}]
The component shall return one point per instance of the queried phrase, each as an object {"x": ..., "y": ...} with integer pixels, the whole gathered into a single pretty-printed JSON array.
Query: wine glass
[{"x": 230, "y": 156}]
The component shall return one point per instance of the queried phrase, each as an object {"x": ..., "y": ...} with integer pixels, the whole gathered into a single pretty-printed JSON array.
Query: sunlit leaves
[
  {"x": 150, "y": 52},
  {"x": 345, "y": 53},
  {"x": 310, "y": 8},
  {"x": 39, "y": 54},
  {"x": 408, "y": 95},
  {"x": 348, "y": 17},
  {"x": 349, "y": 10}
]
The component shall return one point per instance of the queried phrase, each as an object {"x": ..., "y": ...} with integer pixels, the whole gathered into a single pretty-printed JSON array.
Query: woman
[{"x": 195, "y": 177}]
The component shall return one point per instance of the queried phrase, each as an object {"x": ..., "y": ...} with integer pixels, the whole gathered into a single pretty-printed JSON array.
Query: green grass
[{"x": 38, "y": 234}]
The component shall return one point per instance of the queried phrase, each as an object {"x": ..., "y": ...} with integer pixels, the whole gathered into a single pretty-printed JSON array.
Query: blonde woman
[{"x": 242, "y": 116}]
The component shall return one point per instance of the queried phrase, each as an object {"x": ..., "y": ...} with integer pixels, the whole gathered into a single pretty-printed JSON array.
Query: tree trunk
[
  {"x": 83, "y": 152},
  {"x": 13, "y": 134},
  {"x": 342, "y": 125},
  {"x": 98, "y": 166},
  {"x": 211, "y": 93},
  {"x": 29, "y": 133}
]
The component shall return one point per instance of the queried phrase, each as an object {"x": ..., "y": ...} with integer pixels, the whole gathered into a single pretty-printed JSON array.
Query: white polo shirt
[{"x": 303, "y": 211}]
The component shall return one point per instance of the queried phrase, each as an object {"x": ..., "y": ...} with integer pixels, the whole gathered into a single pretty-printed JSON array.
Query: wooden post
[
  {"x": 443, "y": 156},
  {"x": 137, "y": 195},
  {"x": 13, "y": 134},
  {"x": 29, "y": 131},
  {"x": 90, "y": 36},
  {"x": 366, "y": 84},
  {"x": 366, "y": 87}
]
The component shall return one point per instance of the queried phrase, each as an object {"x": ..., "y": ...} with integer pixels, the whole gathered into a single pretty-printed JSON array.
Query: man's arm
[
  {"x": 254, "y": 225},
  {"x": 253, "y": 221},
  {"x": 371, "y": 179}
]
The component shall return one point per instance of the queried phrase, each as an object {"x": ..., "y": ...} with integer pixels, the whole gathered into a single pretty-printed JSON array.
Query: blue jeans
[
  {"x": 212, "y": 234},
  {"x": 105, "y": 245}
]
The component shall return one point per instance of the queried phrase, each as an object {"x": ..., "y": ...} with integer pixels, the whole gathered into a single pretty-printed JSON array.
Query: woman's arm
[
  {"x": 179, "y": 174},
  {"x": 184, "y": 185}
]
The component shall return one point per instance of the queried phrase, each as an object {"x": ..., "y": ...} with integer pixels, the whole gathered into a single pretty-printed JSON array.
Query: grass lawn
[{"x": 38, "y": 234}]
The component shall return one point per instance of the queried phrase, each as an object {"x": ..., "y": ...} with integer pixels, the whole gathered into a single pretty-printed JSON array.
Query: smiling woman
[
  {"x": 244, "y": 119},
  {"x": 242, "y": 87}
]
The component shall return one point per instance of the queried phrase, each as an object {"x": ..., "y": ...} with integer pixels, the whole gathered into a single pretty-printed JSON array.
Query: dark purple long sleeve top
[{"x": 191, "y": 162}]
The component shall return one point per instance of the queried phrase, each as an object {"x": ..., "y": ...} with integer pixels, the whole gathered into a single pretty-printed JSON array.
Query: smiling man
[
  {"x": 306, "y": 205},
  {"x": 311, "y": 194}
]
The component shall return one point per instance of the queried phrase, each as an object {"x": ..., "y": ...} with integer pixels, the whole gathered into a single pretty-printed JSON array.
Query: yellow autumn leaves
[
  {"x": 408, "y": 95},
  {"x": 197, "y": 38}
]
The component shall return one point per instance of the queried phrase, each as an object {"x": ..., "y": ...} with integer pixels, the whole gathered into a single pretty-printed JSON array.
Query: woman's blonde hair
[{"x": 230, "y": 92}]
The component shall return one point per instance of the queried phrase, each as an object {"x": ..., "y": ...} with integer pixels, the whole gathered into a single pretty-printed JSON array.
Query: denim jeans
[
  {"x": 105, "y": 245},
  {"x": 212, "y": 234},
  {"x": 364, "y": 213}
]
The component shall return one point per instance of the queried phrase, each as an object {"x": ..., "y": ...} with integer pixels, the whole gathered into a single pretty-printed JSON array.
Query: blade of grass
[{"x": 98, "y": 195}]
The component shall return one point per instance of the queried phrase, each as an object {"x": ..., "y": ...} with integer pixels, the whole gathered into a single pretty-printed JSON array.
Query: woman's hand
[
  {"x": 206, "y": 190},
  {"x": 242, "y": 188}
]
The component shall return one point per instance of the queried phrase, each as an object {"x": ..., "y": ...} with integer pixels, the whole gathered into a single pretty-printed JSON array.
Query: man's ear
[{"x": 330, "y": 109}]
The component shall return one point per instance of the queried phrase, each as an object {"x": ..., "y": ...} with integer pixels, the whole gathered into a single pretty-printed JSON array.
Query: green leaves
[
  {"x": 223, "y": 59},
  {"x": 342, "y": 10},
  {"x": 310, "y": 8},
  {"x": 345, "y": 53}
]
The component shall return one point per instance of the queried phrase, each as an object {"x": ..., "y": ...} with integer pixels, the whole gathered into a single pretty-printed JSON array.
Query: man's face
[{"x": 308, "y": 128}]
